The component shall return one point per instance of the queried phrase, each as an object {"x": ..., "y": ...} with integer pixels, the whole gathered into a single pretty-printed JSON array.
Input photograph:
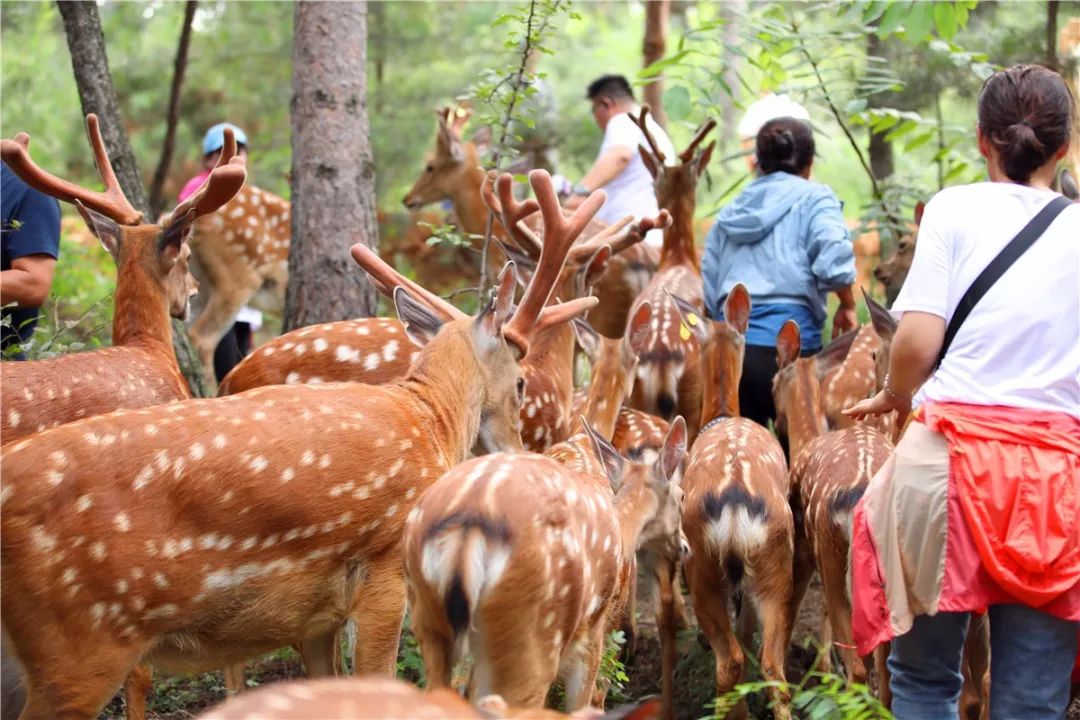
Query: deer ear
[
  {"x": 882, "y": 320},
  {"x": 702, "y": 161},
  {"x": 104, "y": 228},
  {"x": 173, "y": 236},
  {"x": 834, "y": 353},
  {"x": 421, "y": 325},
  {"x": 692, "y": 322},
  {"x": 590, "y": 272},
  {"x": 587, "y": 338},
  {"x": 637, "y": 330},
  {"x": 919, "y": 208},
  {"x": 482, "y": 140},
  {"x": 737, "y": 308},
  {"x": 609, "y": 457},
  {"x": 788, "y": 344},
  {"x": 674, "y": 450},
  {"x": 490, "y": 322},
  {"x": 650, "y": 161}
]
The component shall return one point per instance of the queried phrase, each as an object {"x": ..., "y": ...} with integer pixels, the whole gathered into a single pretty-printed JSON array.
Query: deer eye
[
  {"x": 521, "y": 388},
  {"x": 429, "y": 168}
]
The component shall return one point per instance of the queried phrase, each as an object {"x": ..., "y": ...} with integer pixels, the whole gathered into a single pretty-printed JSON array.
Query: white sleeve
[
  {"x": 621, "y": 130},
  {"x": 926, "y": 288}
]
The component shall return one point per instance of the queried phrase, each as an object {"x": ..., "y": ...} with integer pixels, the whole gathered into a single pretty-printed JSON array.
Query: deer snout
[
  {"x": 883, "y": 273},
  {"x": 411, "y": 203},
  {"x": 684, "y": 547}
]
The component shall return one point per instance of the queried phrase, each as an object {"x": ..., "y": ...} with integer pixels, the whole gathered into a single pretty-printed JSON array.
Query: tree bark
[
  {"x": 1051, "y": 34},
  {"x": 880, "y": 150},
  {"x": 333, "y": 173},
  {"x": 378, "y": 14},
  {"x": 653, "y": 49},
  {"x": 157, "y": 201},
  {"x": 86, "y": 44}
]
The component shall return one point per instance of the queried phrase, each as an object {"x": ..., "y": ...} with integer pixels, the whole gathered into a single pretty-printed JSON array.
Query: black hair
[
  {"x": 1026, "y": 113},
  {"x": 785, "y": 144},
  {"x": 616, "y": 87}
]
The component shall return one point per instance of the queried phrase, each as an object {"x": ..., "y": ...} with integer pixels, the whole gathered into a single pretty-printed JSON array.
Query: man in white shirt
[{"x": 618, "y": 169}]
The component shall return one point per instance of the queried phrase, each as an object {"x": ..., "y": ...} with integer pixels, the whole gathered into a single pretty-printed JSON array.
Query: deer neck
[
  {"x": 804, "y": 418},
  {"x": 469, "y": 206},
  {"x": 601, "y": 407},
  {"x": 552, "y": 352},
  {"x": 141, "y": 310},
  {"x": 678, "y": 247},
  {"x": 634, "y": 506},
  {"x": 721, "y": 369},
  {"x": 446, "y": 381}
]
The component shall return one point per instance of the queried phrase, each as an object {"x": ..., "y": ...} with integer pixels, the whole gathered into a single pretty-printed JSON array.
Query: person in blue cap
[
  {"x": 30, "y": 236},
  {"x": 236, "y": 343}
]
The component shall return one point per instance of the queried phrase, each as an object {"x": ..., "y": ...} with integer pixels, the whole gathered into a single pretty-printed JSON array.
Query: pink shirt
[{"x": 192, "y": 185}]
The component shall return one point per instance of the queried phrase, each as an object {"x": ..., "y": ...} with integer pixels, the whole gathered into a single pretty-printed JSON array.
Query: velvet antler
[
  {"x": 386, "y": 278},
  {"x": 224, "y": 181}
]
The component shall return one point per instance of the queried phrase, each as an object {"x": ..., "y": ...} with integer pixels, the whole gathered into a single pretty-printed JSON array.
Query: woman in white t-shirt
[{"x": 978, "y": 510}]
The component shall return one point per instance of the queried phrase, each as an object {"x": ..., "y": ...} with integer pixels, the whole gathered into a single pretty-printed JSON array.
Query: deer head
[
  {"x": 723, "y": 344},
  {"x": 893, "y": 270},
  {"x": 161, "y": 249},
  {"x": 448, "y": 167}
]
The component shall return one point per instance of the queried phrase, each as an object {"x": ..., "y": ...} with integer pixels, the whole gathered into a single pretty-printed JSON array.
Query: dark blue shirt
[{"x": 30, "y": 226}]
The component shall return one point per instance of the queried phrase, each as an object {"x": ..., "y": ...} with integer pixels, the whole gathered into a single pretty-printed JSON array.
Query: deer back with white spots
[
  {"x": 524, "y": 562},
  {"x": 668, "y": 369},
  {"x": 736, "y": 516},
  {"x": 152, "y": 283},
  {"x": 188, "y": 549}
]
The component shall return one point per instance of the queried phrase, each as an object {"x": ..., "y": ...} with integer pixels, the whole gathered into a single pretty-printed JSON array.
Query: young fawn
[
  {"x": 736, "y": 516},
  {"x": 224, "y": 528},
  {"x": 152, "y": 283}
]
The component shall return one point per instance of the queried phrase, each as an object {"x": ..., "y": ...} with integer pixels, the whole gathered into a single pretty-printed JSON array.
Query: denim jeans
[{"x": 1031, "y": 660}]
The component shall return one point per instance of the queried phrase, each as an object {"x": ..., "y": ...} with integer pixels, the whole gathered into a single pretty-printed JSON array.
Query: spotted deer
[
  {"x": 528, "y": 574},
  {"x": 152, "y": 283},
  {"x": 668, "y": 373},
  {"x": 829, "y": 473},
  {"x": 893, "y": 270},
  {"x": 452, "y": 171},
  {"x": 189, "y": 550},
  {"x": 736, "y": 513},
  {"x": 374, "y": 698}
]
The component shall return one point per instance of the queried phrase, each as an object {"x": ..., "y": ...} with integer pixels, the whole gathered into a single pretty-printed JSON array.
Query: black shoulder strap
[{"x": 997, "y": 267}]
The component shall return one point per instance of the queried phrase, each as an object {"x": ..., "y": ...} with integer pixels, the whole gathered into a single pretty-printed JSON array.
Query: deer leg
[
  {"x": 321, "y": 655},
  {"x": 235, "y": 680},
  {"x": 378, "y": 609},
  {"x": 520, "y": 666},
  {"x": 881, "y": 669},
  {"x": 581, "y": 675},
  {"x": 825, "y": 642},
  {"x": 838, "y": 608},
  {"x": 709, "y": 592},
  {"x": 212, "y": 323},
  {"x": 775, "y": 637},
  {"x": 628, "y": 624},
  {"x": 136, "y": 686},
  {"x": 682, "y": 618},
  {"x": 668, "y": 582},
  {"x": 434, "y": 635}
]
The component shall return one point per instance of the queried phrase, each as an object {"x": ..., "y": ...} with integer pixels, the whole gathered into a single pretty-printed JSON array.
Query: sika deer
[
  {"x": 152, "y": 284},
  {"x": 224, "y": 528},
  {"x": 736, "y": 516},
  {"x": 829, "y": 473},
  {"x": 893, "y": 270},
  {"x": 668, "y": 373},
  {"x": 528, "y": 574},
  {"x": 375, "y": 698}
]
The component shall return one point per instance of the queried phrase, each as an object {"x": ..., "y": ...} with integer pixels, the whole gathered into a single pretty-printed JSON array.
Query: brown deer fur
[
  {"x": 220, "y": 529},
  {"x": 152, "y": 283},
  {"x": 668, "y": 374},
  {"x": 893, "y": 270},
  {"x": 736, "y": 515}
]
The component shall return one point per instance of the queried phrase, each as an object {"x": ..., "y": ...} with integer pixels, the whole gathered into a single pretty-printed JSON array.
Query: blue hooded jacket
[{"x": 784, "y": 238}]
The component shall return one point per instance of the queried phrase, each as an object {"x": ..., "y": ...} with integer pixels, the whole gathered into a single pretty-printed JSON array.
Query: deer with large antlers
[
  {"x": 190, "y": 550},
  {"x": 668, "y": 374},
  {"x": 736, "y": 514},
  {"x": 152, "y": 283},
  {"x": 452, "y": 171}
]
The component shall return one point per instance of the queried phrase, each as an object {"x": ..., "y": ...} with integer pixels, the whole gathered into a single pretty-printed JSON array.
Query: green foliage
[
  {"x": 612, "y": 675},
  {"x": 410, "y": 663},
  {"x": 820, "y": 696}
]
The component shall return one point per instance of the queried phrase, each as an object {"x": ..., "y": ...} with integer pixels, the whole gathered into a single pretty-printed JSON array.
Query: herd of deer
[{"x": 441, "y": 462}]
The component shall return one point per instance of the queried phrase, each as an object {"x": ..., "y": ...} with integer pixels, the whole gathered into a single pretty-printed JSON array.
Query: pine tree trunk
[
  {"x": 333, "y": 173},
  {"x": 86, "y": 43},
  {"x": 653, "y": 49}
]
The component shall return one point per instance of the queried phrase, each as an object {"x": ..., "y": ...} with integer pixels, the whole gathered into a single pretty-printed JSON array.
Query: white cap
[{"x": 769, "y": 108}]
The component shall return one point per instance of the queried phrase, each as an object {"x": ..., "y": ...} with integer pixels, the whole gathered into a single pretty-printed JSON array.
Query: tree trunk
[
  {"x": 333, "y": 174},
  {"x": 731, "y": 11},
  {"x": 1051, "y": 34},
  {"x": 880, "y": 149},
  {"x": 157, "y": 201},
  {"x": 653, "y": 49},
  {"x": 378, "y": 14},
  {"x": 97, "y": 95}
]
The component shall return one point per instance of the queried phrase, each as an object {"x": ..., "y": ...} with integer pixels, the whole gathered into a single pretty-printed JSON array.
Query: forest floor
[{"x": 183, "y": 697}]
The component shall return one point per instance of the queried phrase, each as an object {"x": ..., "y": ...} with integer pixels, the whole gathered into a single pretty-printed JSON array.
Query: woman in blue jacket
[{"x": 785, "y": 239}]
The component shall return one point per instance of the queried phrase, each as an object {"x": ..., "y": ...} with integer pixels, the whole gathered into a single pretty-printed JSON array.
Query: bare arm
[
  {"x": 28, "y": 281},
  {"x": 608, "y": 166},
  {"x": 845, "y": 318},
  {"x": 915, "y": 348}
]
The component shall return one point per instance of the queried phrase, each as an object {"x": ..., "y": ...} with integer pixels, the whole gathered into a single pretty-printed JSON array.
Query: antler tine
[
  {"x": 386, "y": 278},
  {"x": 565, "y": 311},
  {"x": 224, "y": 181},
  {"x": 459, "y": 116},
  {"x": 111, "y": 203},
  {"x": 559, "y": 235},
  {"x": 523, "y": 236},
  {"x": 688, "y": 154},
  {"x": 606, "y": 236},
  {"x": 640, "y": 121}
]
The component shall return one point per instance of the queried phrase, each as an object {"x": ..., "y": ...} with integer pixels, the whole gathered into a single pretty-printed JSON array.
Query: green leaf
[
  {"x": 893, "y": 18},
  {"x": 945, "y": 19},
  {"x": 919, "y": 141},
  {"x": 855, "y": 106},
  {"x": 919, "y": 22},
  {"x": 955, "y": 171},
  {"x": 658, "y": 67},
  {"x": 677, "y": 103}
]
